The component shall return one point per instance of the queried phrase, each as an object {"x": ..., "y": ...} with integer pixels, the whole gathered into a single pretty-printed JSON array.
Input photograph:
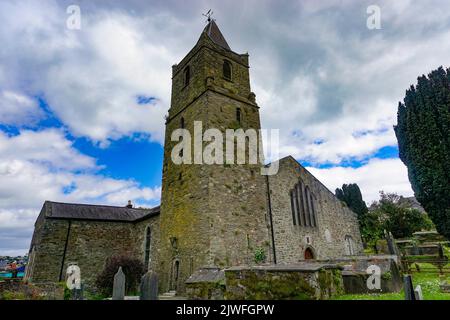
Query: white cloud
[
  {"x": 91, "y": 78},
  {"x": 18, "y": 109},
  {"x": 377, "y": 175},
  {"x": 47, "y": 146},
  {"x": 39, "y": 166}
]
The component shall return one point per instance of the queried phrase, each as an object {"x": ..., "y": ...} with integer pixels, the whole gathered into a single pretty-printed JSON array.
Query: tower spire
[{"x": 213, "y": 32}]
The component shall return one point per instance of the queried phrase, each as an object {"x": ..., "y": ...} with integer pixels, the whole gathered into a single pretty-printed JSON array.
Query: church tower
[{"x": 211, "y": 214}]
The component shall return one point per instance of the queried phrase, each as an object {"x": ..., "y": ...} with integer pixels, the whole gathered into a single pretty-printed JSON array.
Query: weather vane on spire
[{"x": 208, "y": 15}]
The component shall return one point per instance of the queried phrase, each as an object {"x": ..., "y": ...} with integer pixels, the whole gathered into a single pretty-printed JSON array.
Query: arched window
[
  {"x": 227, "y": 70},
  {"x": 302, "y": 206},
  {"x": 349, "y": 249},
  {"x": 148, "y": 238},
  {"x": 238, "y": 115},
  {"x": 187, "y": 75},
  {"x": 182, "y": 123}
]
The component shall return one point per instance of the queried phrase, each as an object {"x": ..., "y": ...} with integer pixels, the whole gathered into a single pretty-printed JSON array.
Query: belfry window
[
  {"x": 227, "y": 70},
  {"x": 187, "y": 75},
  {"x": 238, "y": 115},
  {"x": 302, "y": 206}
]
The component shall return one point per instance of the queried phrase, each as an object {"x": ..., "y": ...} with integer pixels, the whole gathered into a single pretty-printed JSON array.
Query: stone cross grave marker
[
  {"x": 408, "y": 286},
  {"x": 418, "y": 293},
  {"x": 149, "y": 286},
  {"x": 119, "y": 285}
]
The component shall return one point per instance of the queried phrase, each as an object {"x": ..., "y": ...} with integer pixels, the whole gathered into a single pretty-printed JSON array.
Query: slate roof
[
  {"x": 213, "y": 32},
  {"x": 75, "y": 211}
]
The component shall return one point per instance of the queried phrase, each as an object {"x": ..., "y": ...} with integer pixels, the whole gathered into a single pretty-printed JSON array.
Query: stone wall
[
  {"x": 304, "y": 281},
  {"x": 334, "y": 219},
  {"x": 296, "y": 282},
  {"x": 355, "y": 273},
  {"x": 211, "y": 215},
  {"x": 58, "y": 242}
]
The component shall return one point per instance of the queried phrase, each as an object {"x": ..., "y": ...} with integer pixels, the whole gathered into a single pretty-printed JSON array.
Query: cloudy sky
[{"x": 81, "y": 111}]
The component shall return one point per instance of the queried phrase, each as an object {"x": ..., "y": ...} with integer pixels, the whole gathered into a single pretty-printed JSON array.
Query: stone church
[{"x": 210, "y": 215}]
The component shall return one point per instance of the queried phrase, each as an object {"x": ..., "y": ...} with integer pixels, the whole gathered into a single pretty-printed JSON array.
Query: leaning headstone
[
  {"x": 408, "y": 287},
  {"x": 119, "y": 285},
  {"x": 149, "y": 286},
  {"x": 392, "y": 246},
  {"x": 418, "y": 293}
]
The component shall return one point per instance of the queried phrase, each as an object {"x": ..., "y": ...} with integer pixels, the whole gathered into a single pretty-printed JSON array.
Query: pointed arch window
[
  {"x": 349, "y": 246},
  {"x": 303, "y": 206},
  {"x": 227, "y": 70},
  {"x": 186, "y": 75}
]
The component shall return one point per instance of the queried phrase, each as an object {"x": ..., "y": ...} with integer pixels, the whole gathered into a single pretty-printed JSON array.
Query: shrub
[
  {"x": 260, "y": 255},
  {"x": 132, "y": 268}
]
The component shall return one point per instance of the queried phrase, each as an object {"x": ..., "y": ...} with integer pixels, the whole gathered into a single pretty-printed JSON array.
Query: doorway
[
  {"x": 174, "y": 276},
  {"x": 309, "y": 254}
]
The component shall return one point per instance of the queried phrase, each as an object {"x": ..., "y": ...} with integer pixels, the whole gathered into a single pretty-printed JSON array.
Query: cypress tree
[
  {"x": 351, "y": 195},
  {"x": 423, "y": 134}
]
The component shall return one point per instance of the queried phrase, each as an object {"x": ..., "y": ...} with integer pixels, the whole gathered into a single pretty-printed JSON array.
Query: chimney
[{"x": 129, "y": 205}]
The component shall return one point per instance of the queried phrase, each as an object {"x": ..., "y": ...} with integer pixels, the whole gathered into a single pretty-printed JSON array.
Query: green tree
[
  {"x": 397, "y": 218},
  {"x": 370, "y": 226},
  {"x": 351, "y": 195},
  {"x": 423, "y": 134}
]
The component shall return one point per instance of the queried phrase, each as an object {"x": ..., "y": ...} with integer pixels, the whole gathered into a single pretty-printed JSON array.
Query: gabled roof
[
  {"x": 75, "y": 211},
  {"x": 213, "y": 32},
  {"x": 290, "y": 158}
]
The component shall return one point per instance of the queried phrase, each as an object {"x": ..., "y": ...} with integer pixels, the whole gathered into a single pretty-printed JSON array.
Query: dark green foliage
[
  {"x": 351, "y": 195},
  {"x": 371, "y": 227},
  {"x": 131, "y": 267},
  {"x": 423, "y": 134},
  {"x": 369, "y": 224}
]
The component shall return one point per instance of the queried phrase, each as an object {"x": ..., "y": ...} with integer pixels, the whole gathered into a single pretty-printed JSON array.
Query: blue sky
[{"x": 82, "y": 111}]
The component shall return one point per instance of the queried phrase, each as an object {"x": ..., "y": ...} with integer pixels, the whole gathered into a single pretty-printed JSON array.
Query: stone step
[{"x": 169, "y": 293}]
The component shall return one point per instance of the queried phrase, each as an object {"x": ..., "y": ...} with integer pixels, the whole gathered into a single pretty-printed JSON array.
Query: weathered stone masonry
[
  {"x": 86, "y": 235},
  {"x": 215, "y": 216},
  {"x": 335, "y": 220}
]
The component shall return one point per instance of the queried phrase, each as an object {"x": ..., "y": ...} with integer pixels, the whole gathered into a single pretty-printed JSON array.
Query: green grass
[{"x": 428, "y": 281}]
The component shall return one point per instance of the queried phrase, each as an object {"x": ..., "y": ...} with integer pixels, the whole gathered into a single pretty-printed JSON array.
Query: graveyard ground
[{"x": 429, "y": 281}]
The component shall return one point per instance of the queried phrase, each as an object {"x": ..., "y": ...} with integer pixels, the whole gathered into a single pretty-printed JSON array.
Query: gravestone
[
  {"x": 392, "y": 246},
  {"x": 415, "y": 251},
  {"x": 408, "y": 286},
  {"x": 440, "y": 251},
  {"x": 418, "y": 293},
  {"x": 149, "y": 286},
  {"x": 119, "y": 285}
]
